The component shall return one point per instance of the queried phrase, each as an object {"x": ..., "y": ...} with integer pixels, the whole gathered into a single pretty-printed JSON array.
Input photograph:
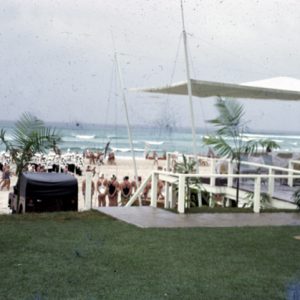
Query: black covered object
[
  {"x": 49, "y": 191},
  {"x": 71, "y": 168}
]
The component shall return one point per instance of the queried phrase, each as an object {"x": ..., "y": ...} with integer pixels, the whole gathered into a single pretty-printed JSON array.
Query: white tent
[{"x": 280, "y": 88}]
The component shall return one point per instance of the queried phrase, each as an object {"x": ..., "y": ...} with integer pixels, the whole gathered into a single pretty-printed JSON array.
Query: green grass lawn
[{"x": 91, "y": 256}]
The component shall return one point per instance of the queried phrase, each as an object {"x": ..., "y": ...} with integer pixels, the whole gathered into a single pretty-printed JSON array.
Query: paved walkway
[{"x": 147, "y": 217}]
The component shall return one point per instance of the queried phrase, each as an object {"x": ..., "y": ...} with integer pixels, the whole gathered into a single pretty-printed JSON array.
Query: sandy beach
[{"x": 123, "y": 167}]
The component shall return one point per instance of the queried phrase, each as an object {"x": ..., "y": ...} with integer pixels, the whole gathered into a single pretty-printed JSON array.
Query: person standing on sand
[
  {"x": 113, "y": 186},
  {"x": 146, "y": 191},
  {"x": 6, "y": 178},
  {"x": 135, "y": 185},
  {"x": 126, "y": 190},
  {"x": 111, "y": 158},
  {"x": 102, "y": 190},
  {"x": 89, "y": 169},
  {"x": 66, "y": 170},
  {"x": 160, "y": 186}
]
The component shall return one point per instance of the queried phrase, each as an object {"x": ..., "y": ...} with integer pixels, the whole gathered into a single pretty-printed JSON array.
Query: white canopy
[
  {"x": 280, "y": 88},
  {"x": 154, "y": 143}
]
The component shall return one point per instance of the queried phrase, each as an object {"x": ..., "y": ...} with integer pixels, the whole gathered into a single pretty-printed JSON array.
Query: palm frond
[
  {"x": 229, "y": 118},
  {"x": 30, "y": 136},
  {"x": 186, "y": 167},
  {"x": 4, "y": 140},
  {"x": 268, "y": 144},
  {"x": 250, "y": 147},
  {"x": 220, "y": 145}
]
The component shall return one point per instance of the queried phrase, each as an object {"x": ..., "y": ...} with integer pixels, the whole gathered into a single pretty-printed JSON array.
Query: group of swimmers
[
  {"x": 111, "y": 189},
  {"x": 98, "y": 157}
]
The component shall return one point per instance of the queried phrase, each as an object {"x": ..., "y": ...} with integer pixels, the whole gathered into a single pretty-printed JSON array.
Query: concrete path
[{"x": 148, "y": 217}]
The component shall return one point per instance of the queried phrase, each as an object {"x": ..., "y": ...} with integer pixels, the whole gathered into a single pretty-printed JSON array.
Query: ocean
[{"x": 77, "y": 137}]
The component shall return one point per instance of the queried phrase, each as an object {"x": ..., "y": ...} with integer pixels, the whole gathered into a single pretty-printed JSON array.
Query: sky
[{"x": 57, "y": 58}]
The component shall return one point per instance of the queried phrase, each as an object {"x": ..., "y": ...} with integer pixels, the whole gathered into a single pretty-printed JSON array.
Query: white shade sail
[
  {"x": 280, "y": 88},
  {"x": 154, "y": 143}
]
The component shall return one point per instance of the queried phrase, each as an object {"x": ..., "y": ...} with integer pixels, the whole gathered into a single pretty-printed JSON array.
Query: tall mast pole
[
  {"x": 126, "y": 113},
  {"x": 189, "y": 86}
]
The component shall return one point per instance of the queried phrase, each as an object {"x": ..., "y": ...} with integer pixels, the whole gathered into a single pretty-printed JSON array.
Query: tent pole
[
  {"x": 189, "y": 86},
  {"x": 127, "y": 118}
]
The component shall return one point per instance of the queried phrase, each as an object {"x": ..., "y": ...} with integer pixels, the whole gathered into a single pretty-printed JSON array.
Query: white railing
[
  {"x": 271, "y": 170},
  {"x": 292, "y": 164},
  {"x": 172, "y": 179},
  {"x": 182, "y": 185}
]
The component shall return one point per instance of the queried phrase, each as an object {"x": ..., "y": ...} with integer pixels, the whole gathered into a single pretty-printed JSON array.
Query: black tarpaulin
[{"x": 48, "y": 186}]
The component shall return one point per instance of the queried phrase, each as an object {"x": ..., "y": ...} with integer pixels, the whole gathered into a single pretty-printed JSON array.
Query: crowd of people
[
  {"x": 109, "y": 191},
  {"x": 117, "y": 193}
]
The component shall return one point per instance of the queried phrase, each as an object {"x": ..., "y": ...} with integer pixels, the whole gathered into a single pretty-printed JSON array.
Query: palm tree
[
  {"x": 228, "y": 140},
  {"x": 188, "y": 167},
  {"x": 29, "y": 136}
]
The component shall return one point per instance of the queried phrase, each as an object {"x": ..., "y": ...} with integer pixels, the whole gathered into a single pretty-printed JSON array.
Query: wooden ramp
[
  {"x": 281, "y": 191},
  {"x": 150, "y": 217}
]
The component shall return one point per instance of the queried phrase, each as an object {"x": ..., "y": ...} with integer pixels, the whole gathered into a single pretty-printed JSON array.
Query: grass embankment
[{"x": 91, "y": 256}]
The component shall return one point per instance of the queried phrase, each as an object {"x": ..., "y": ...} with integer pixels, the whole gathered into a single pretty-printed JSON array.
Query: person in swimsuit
[
  {"x": 102, "y": 190},
  {"x": 160, "y": 186},
  {"x": 113, "y": 186},
  {"x": 126, "y": 190},
  {"x": 111, "y": 158},
  {"x": 146, "y": 191},
  {"x": 6, "y": 178},
  {"x": 99, "y": 158},
  {"x": 135, "y": 184}
]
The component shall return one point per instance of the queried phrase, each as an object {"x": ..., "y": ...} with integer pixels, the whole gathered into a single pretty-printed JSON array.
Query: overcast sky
[{"x": 56, "y": 57}]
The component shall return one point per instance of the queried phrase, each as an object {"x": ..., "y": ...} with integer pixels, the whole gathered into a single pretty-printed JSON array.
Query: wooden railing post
[
  {"x": 212, "y": 171},
  {"x": 172, "y": 196},
  {"x": 154, "y": 190},
  {"x": 88, "y": 190},
  {"x": 256, "y": 200},
  {"x": 271, "y": 182},
  {"x": 199, "y": 198},
  {"x": 230, "y": 172},
  {"x": 167, "y": 195},
  {"x": 168, "y": 161},
  {"x": 290, "y": 173},
  {"x": 181, "y": 194}
]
